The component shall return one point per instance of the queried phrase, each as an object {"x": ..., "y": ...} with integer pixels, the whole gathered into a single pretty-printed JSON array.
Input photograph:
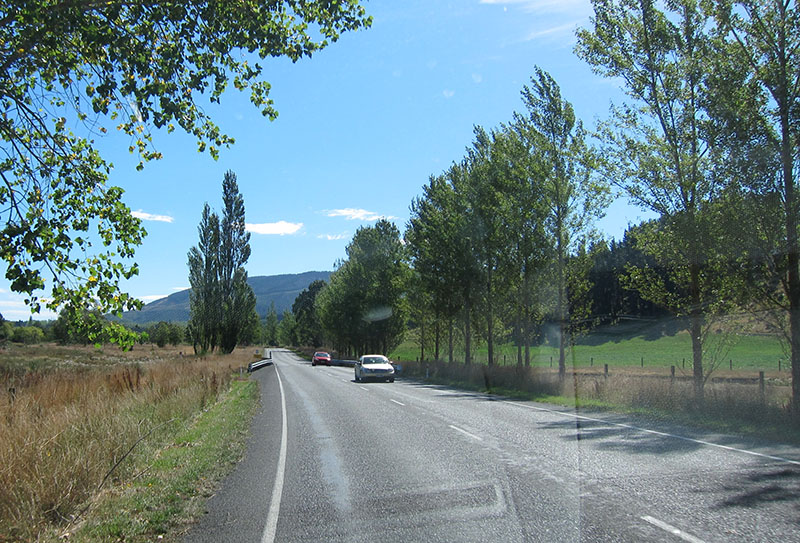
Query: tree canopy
[{"x": 72, "y": 71}]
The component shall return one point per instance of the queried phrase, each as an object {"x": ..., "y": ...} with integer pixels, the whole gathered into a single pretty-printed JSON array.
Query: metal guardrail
[{"x": 265, "y": 361}]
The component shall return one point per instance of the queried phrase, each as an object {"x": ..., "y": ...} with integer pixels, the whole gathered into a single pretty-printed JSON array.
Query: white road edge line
[
  {"x": 398, "y": 403},
  {"x": 656, "y": 432},
  {"x": 271, "y": 526},
  {"x": 363, "y": 388},
  {"x": 672, "y": 529},
  {"x": 473, "y": 436}
]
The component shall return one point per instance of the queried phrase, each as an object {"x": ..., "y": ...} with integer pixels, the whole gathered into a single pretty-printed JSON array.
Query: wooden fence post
[{"x": 761, "y": 386}]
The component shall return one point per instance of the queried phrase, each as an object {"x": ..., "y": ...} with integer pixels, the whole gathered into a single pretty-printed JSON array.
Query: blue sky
[{"x": 361, "y": 128}]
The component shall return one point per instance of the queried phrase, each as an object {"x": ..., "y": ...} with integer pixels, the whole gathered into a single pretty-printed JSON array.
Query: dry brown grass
[
  {"x": 734, "y": 400},
  {"x": 67, "y": 422}
]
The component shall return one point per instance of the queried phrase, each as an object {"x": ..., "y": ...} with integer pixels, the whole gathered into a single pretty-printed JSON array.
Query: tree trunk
[
  {"x": 422, "y": 339},
  {"x": 489, "y": 317},
  {"x": 562, "y": 310},
  {"x": 696, "y": 320},
  {"x": 792, "y": 256},
  {"x": 450, "y": 343},
  {"x": 437, "y": 331},
  {"x": 467, "y": 333}
]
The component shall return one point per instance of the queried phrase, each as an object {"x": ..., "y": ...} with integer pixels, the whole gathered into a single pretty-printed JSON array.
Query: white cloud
[
  {"x": 352, "y": 214},
  {"x": 557, "y": 32},
  {"x": 178, "y": 289},
  {"x": 150, "y": 217},
  {"x": 448, "y": 93},
  {"x": 333, "y": 237},
  {"x": 152, "y": 297},
  {"x": 550, "y": 17},
  {"x": 18, "y": 310},
  {"x": 547, "y": 6},
  {"x": 280, "y": 228}
]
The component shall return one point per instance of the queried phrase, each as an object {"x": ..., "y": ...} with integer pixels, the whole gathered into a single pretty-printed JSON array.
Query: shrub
[{"x": 27, "y": 335}]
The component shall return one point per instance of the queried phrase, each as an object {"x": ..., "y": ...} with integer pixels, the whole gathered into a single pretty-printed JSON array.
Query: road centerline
[
  {"x": 671, "y": 529},
  {"x": 469, "y": 434},
  {"x": 398, "y": 403}
]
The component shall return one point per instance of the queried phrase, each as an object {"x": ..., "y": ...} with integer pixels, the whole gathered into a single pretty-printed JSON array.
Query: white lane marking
[
  {"x": 672, "y": 529},
  {"x": 473, "y": 436},
  {"x": 656, "y": 432},
  {"x": 398, "y": 403},
  {"x": 271, "y": 526},
  {"x": 363, "y": 388}
]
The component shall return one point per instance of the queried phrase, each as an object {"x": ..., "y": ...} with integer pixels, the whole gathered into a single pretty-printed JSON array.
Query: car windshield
[
  {"x": 323, "y": 355},
  {"x": 375, "y": 360}
]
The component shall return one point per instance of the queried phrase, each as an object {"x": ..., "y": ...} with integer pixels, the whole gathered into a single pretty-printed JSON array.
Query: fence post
[
  {"x": 605, "y": 371},
  {"x": 761, "y": 387},
  {"x": 779, "y": 364},
  {"x": 731, "y": 363},
  {"x": 642, "y": 361},
  {"x": 672, "y": 372},
  {"x": 551, "y": 361},
  {"x": 591, "y": 361},
  {"x": 684, "y": 363}
]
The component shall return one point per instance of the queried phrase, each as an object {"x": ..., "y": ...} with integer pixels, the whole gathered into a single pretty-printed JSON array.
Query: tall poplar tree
[
  {"x": 658, "y": 148},
  {"x": 757, "y": 106},
  {"x": 222, "y": 303},
  {"x": 573, "y": 198},
  {"x": 238, "y": 299},
  {"x": 204, "y": 297}
]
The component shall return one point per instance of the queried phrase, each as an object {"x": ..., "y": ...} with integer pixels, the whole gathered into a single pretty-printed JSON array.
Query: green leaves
[
  {"x": 76, "y": 66},
  {"x": 363, "y": 307},
  {"x": 221, "y": 302}
]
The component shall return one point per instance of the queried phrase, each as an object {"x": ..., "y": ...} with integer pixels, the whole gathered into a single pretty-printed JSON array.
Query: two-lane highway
[{"x": 335, "y": 460}]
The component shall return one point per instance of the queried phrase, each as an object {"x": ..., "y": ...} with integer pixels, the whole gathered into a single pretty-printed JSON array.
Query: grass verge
[
  {"x": 731, "y": 408},
  {"x": 171, "y": 491}
]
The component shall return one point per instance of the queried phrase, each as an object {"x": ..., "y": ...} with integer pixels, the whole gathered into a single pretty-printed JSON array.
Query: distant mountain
[{"x": 280, "y": 289}]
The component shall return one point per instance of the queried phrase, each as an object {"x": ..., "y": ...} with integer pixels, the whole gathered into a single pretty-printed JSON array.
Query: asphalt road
[{"x": 335, "y": 460}]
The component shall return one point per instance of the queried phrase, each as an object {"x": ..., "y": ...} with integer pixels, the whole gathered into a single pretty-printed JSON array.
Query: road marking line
[
  {"x": 656, "y": 432},
  {"x": 473, "y": 436},
  {"x": 672, "y": 529},
  {"x": 363, "y": 388},
  {"x": 398, "y": 403},
  {"x": 271, "y": 526}
]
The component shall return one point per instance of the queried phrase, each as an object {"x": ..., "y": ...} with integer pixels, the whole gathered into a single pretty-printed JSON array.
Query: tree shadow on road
[
  {"x": 769, "y": 485},
  {"x": 609, "y": 437}
]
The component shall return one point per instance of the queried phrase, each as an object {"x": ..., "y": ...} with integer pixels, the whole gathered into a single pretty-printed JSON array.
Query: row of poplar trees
[
  {"x": 708, "y": 139},
  {"x": 222, "y": 304}
]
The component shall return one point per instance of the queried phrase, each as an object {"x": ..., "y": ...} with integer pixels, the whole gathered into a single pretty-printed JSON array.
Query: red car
[{"x": 321, "y": 358}]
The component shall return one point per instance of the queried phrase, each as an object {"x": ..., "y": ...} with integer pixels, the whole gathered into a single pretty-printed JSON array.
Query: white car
[{"x": 374, "y": 366}]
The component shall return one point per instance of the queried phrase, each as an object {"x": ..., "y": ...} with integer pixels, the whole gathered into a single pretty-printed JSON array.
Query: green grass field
[{"x": 619, "y": 347}]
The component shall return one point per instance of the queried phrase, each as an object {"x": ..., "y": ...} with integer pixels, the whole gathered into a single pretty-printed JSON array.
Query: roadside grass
[
  {"x": 82, "y": 422},
  {"x": 172, "y": 491},
  {"x": 729, "y": 407}
]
